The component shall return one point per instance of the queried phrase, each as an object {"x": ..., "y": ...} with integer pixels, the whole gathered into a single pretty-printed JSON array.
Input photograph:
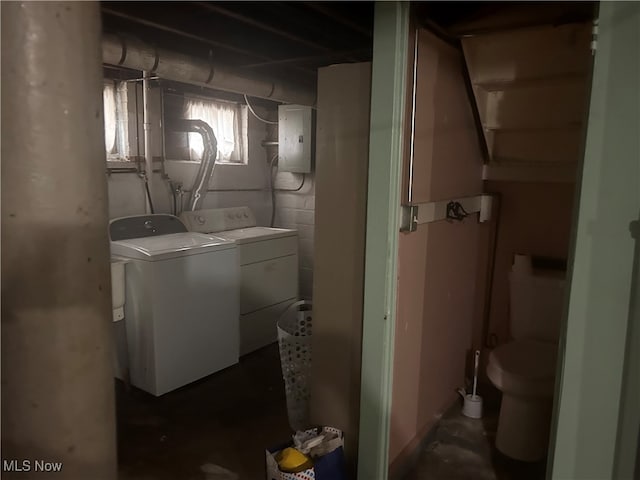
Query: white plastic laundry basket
[{"x": 294, "y": 339}]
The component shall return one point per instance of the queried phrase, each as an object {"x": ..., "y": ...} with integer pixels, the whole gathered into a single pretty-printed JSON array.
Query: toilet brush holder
[{"x": 472, "y": 406}]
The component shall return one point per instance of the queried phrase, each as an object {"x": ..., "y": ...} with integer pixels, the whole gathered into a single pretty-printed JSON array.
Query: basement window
[
  {"x": 116, "y": 128},
  {"x": 229, "y": 124}
]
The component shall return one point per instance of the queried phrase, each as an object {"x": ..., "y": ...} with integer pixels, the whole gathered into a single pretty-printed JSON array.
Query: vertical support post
[
  {"x": 57, "y": 375},
  {"x": 388, "y": 87},
  {"x": 592, "y": 391}
]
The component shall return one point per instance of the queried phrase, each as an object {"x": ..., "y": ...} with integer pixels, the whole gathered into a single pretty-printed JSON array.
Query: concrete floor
[
  {"x": 462, "y": 448},
  {"x": 229, "y": 418},
  {"x": 226, "y": 419}
]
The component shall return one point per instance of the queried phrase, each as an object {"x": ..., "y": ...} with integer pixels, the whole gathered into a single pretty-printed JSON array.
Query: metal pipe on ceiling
[
  {"x": 191, "y": 36},
  {"x": 311, "y": 58},
  {"x": 138, "y": 55},
  {"x": 182, "y": 33}
]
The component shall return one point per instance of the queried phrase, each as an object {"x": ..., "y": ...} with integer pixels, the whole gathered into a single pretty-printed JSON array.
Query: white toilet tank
[{"x": 536, "y": 303}]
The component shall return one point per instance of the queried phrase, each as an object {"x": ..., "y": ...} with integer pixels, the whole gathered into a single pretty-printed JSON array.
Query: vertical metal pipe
[
  {"x": 148, "y": 157},
  {"x": 162, "y": 134},
  {"x": 57, "y": 375},
  {"x": 414, "y": 90},
  {"x": 208, "y": 163}
]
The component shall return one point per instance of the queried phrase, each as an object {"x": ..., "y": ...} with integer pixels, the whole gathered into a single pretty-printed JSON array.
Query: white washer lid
[
  {"x": 255, "y": 234},
  {"x": 162, "y": 247}
]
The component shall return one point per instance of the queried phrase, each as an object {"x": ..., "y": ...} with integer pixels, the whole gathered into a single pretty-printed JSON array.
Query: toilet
[{"x": 524, "y": 368}]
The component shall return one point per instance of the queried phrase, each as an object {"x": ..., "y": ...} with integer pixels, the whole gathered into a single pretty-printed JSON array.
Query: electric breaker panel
[{"x": 296, "y": 143}]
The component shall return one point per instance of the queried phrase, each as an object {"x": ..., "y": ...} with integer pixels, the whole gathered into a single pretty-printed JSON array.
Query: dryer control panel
[{"x": 218, "y": 219}]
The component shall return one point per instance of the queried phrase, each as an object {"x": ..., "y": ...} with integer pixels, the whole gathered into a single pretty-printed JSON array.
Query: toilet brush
[
  {"x": 476, "y": 362},
  {"x": 472, "y": 406}
]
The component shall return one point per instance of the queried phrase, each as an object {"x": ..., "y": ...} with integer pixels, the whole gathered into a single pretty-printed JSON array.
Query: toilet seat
[{"x": 524, "y": 368}]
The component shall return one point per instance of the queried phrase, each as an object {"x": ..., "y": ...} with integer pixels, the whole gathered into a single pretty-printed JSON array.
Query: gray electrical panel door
[{"x": 295, "y": 138}]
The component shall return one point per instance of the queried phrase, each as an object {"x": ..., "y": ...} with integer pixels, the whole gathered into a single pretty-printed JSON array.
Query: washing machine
[
  {"x": 182, "y": 301},
  {"x": 268, "y": 259}
]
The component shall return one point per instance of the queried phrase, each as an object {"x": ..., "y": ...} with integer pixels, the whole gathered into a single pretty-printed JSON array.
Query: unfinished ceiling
[
  {"x": 286, "y": 41},
  {"x": 527, "y": 63}
]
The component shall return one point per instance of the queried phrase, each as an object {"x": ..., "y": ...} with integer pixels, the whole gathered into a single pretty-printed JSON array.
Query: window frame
[
  {"x": 241, "y": 124},
  {"x": 122, "y": 120}
]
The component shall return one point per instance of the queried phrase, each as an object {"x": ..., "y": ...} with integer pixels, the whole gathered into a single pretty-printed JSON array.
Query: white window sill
[{"x": 120, "y": 164}]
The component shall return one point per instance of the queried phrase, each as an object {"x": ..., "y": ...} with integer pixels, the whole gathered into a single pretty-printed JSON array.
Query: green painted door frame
[
  {"x": 596, "y": 420},
  {"x": 388, "y": 83}
]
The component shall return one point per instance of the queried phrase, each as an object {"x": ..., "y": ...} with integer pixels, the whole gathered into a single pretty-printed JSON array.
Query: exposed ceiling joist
[
  {"x": 339, "y": 18},
  {"x": 311, "y": 58},
  {"x": 287, "y": 41},
  {"x": 198, "y": 38},
  {"x": 166, "y": 28},
  {"x": 218, "y": 9}
]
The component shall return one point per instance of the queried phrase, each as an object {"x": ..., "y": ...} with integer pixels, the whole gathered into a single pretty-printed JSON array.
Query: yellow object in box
[{"x": 291, "y": 460}]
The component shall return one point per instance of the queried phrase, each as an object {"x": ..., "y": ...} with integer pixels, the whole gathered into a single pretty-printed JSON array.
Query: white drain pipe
[{"x": 135, "y": 54}]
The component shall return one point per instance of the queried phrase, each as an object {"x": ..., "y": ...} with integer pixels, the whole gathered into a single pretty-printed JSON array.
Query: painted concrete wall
[
  {"x": 127, "y": 194},
  {"x": 297, "y": 210},
  {"x": 294, "y": 209},
  {"x": 437, "y": 264}
]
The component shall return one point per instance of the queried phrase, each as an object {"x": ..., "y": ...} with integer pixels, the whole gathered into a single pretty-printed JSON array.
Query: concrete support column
[{"x": 57, "y": 383}]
